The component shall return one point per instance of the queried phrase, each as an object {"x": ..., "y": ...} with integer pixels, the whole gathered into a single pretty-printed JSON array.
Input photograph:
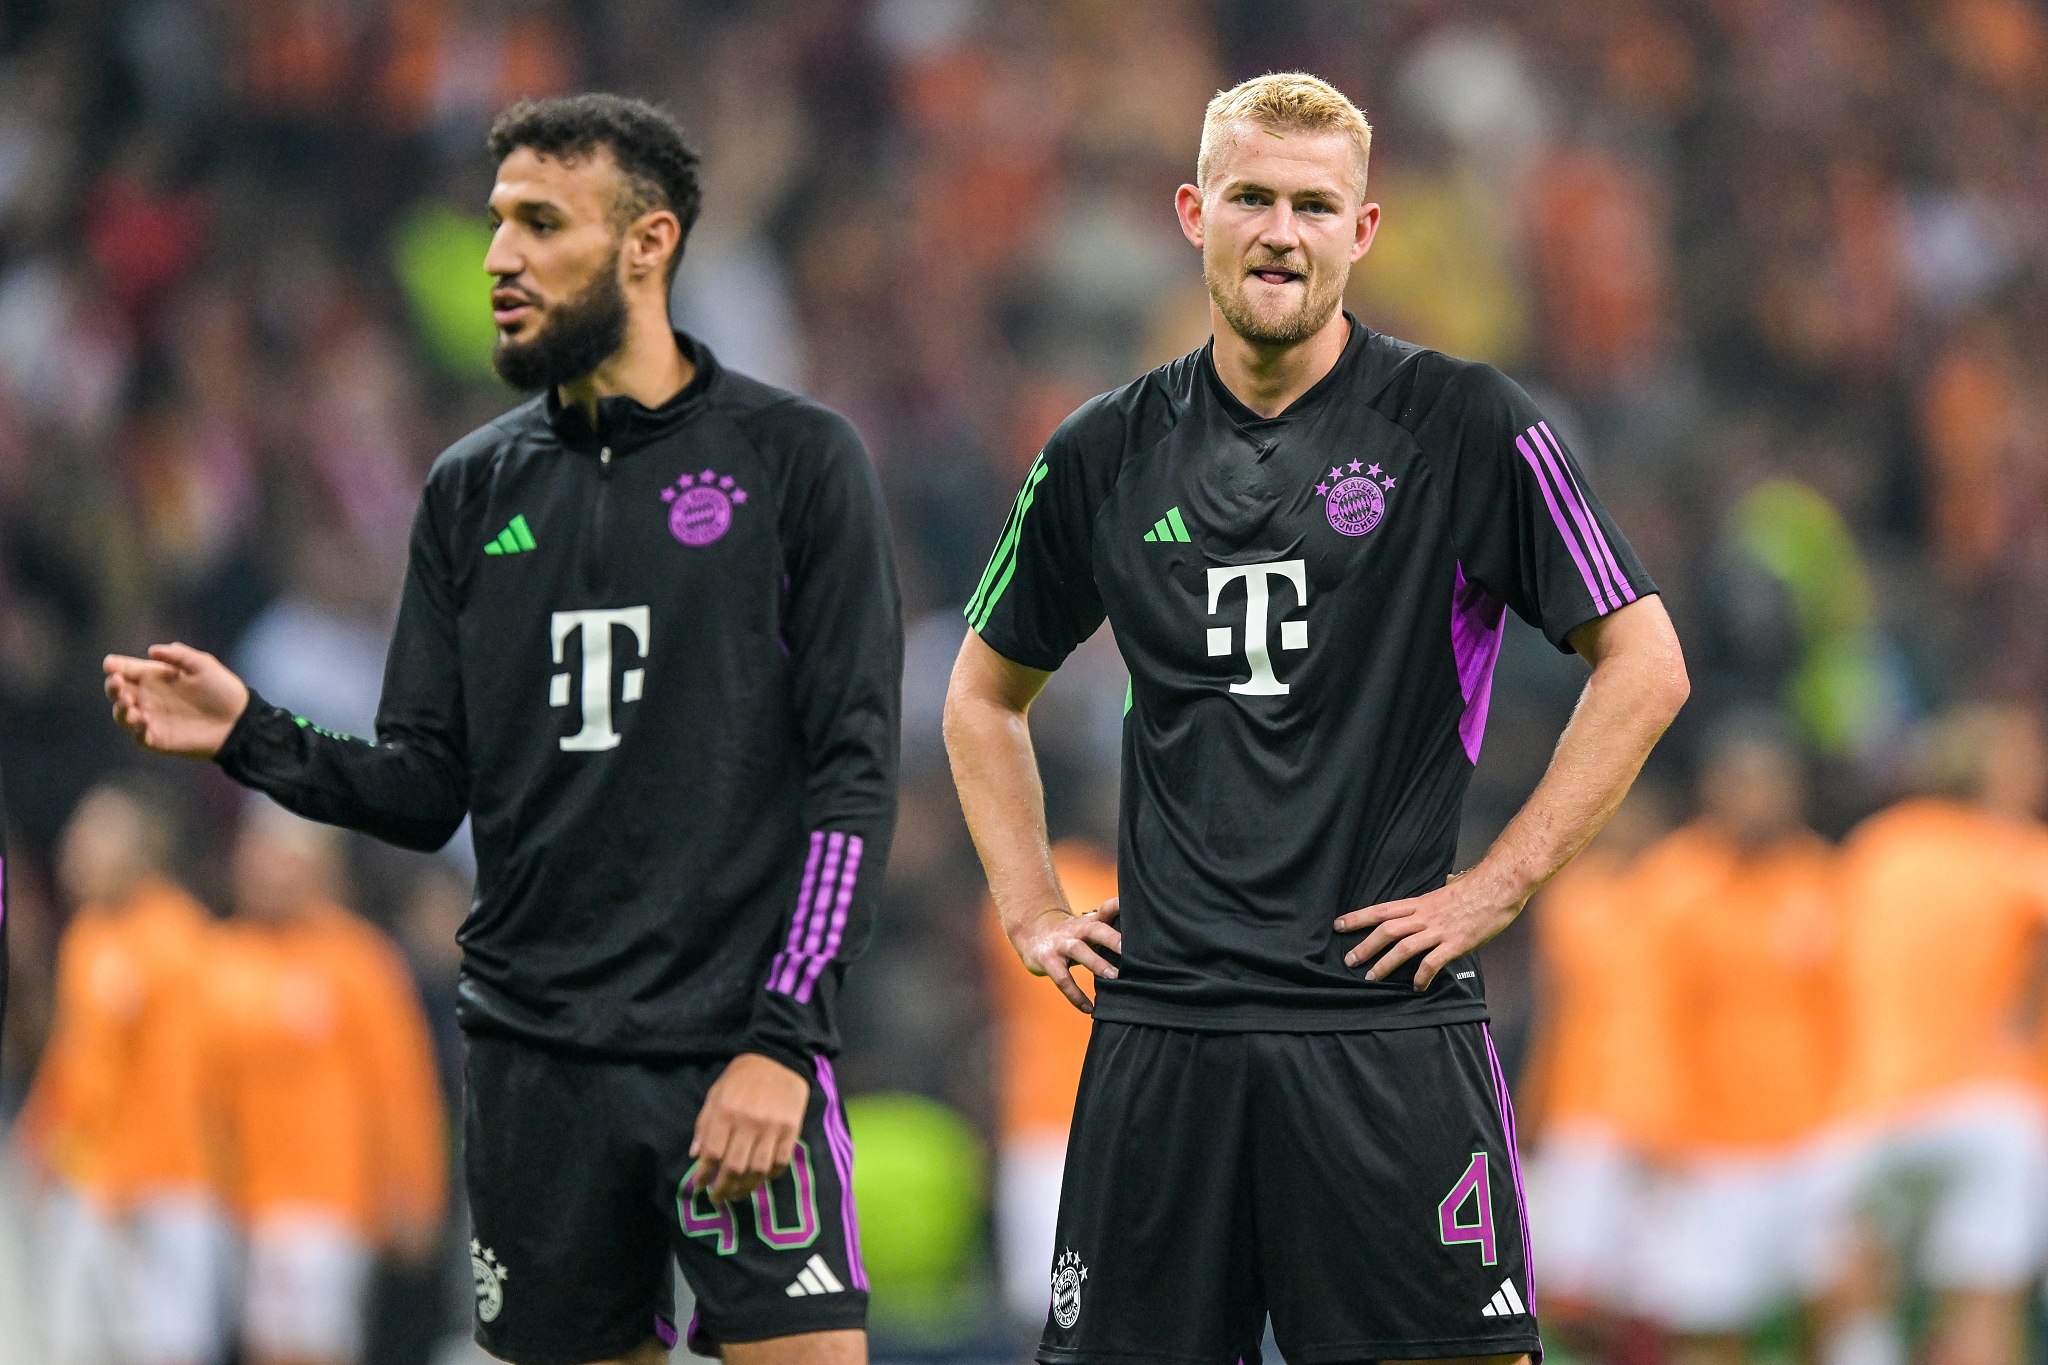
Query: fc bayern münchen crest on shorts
[
  {"x": 490, "y": 1280},
  {"x": 700, "y": 506},
  {"x": 1357, "y": 500},
  {"x": 1068, "y": 1275}
]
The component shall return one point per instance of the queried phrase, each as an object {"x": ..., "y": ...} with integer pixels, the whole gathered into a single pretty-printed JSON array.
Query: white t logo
[
  {"x": 1293, "y": 634},
  {"x": 596, "y": 629}
]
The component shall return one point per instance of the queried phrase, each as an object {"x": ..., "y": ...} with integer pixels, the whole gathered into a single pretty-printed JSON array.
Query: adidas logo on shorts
[
  {"x": 815, "y": 1278},
  {"x": 1506, "y": 1302}
]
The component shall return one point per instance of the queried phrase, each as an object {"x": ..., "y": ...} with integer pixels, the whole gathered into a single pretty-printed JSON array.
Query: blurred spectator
[
  {"x": 1041, "y": 1040},
  {"x": 1588, "y": 1079},
  {"x": 1743, "y": 1028},
  {"x": 322, "y": 1067},
  {"x": 1945, "y": 1174},
  {"x": 135, "y": 1243}
]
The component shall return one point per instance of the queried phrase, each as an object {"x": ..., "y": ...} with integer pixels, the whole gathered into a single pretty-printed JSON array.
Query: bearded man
[
  {"x": 649, "y": 643},
  {"x": 1305, "y": 536}
]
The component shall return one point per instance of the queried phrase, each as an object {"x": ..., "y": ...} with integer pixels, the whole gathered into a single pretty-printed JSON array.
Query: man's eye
[{"x": 1251, "y": 200}]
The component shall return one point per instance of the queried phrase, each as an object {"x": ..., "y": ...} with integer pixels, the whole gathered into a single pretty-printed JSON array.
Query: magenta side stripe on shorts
[
  {"x": 840, "y": 1139},
  {"x": 1599, "y": 544},
  {"x": 1563, "y": 525},
  {"x": 1507, "y": 1115}
]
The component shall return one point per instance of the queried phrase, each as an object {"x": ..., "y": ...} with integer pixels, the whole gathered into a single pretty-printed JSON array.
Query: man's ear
[{"x": 650, "y": 241}]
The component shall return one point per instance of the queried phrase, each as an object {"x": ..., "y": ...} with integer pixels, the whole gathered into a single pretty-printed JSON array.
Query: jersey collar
[
  {"x": 624, "y": 423},
  {"x": 1318, "y": 393}
]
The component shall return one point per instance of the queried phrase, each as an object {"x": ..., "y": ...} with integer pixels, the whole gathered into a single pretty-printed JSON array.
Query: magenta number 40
[{"x": 1472, "y": 1187}]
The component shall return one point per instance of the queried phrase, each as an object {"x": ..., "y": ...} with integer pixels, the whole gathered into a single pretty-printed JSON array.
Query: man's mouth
[
  {"x": 1273, "y": 274},
  {"x": 508, "y": 308}
]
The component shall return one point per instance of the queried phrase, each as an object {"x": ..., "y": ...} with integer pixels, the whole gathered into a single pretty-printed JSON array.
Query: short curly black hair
[{"x": 659, "y": 165}]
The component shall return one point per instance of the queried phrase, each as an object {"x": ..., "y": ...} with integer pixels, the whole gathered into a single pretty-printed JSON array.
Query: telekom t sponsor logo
[
  {"x": 595, "y": 629},
  {"x": 1257, "y": 616}
]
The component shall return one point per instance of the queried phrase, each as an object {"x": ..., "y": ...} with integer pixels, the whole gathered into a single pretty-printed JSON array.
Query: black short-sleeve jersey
[{"x": 1310, "y": 607}]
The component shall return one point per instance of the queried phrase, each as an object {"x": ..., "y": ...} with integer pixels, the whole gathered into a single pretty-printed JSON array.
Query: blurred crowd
[
  {"x": 1777, "y": 266},
  {"x": 1782, "y": 1083}
]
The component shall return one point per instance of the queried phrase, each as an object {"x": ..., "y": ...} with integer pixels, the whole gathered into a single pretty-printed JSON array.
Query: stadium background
[{"x": 1776, "y": 266}]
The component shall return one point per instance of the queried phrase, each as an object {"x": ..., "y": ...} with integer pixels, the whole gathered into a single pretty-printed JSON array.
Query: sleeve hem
[
  {"x": 1591, "y": 612},
  {"x": 790, "y": 1057},
  {"x": 242, "y": 733},
  {"x": 1016, "y": 656}
]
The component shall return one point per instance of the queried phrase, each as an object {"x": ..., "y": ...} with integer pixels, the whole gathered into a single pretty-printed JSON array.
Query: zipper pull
[{"x": 605, "y": 456}]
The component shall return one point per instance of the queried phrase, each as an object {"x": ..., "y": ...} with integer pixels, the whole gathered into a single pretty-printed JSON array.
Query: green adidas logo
[
  {"x": 1169, "y": 528},
  {"x": 512, "y": 539}
]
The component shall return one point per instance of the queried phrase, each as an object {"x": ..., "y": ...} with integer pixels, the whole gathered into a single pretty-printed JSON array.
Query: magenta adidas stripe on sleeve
[
  {"x": 1596, "y": 545},
  {"x": 1563, "y": 527}
]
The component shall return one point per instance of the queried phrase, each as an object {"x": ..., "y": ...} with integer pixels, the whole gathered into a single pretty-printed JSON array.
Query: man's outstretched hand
[
  {"x": 748, "y": 1126},
  {"x": 179, "y": 700}
]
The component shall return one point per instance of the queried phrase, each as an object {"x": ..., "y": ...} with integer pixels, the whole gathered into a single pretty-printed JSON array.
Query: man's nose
[
  {"x": 501, "y": 260},
  {"x": 1280, "y": 229}
]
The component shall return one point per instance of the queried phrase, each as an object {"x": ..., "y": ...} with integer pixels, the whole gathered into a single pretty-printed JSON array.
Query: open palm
[{"x": 179, "y": 700}]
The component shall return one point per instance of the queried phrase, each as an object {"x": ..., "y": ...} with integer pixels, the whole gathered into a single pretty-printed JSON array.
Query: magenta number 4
[{"x": 1472, "y": 1187}]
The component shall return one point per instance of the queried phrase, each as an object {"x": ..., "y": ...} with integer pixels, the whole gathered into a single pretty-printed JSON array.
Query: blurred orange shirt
[
  {"x": 1583, "y": 1071},
  {"x": 1042, "y": 1039},
  {"x": 1943, "y": 906},
  {"x": 115, "y": 1109},
  {"x": 1744, "y": 957},
  {"x": 320, "y": 1059}
]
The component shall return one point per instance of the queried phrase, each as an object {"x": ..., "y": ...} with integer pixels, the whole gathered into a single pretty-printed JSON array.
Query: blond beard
[{"x": 1304, "y": 322}]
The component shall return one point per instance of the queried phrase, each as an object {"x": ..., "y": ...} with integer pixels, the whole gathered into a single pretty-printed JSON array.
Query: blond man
[{"x": 1305, "y": 536}]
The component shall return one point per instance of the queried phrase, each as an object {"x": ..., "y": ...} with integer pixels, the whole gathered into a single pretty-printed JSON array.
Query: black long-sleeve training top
[{"x": 659, "y": 664}]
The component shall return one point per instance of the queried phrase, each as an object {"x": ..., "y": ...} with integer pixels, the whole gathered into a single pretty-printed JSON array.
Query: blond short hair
[{"x": 1284, "y": 99}]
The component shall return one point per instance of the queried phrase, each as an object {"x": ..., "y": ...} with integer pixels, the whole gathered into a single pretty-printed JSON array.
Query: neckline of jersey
[
  {"x": 1245, "y": 419},
  {"x": 623, "y": 422}
]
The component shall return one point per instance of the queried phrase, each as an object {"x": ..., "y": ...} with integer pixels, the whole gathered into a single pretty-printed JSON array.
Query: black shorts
[
  {"x": 575, "y": 1171},
  {"x": 1362, "y": 1188}
]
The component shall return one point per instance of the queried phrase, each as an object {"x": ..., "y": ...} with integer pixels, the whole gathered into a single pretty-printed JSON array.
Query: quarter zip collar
[{"x": 623, "y": 423}]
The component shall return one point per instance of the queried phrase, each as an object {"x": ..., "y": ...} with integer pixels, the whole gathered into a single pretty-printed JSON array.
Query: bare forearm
[
  {"x": 996, "y": 772},
  {"x": 1628, "y": 703}
]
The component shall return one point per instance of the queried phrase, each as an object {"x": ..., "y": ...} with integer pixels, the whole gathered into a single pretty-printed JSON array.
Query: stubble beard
[
  {"x": 576, "y": 336},
  {"x": 1226, "y": 283}
]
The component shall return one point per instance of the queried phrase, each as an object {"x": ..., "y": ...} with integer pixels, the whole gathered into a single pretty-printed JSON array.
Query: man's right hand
[
  {"x": 1053, "y": 939},
  {"x": 179, "y": 700}
]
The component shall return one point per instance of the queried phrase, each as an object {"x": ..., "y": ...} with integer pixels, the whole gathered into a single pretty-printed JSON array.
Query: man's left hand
[
  {"x": 748, "y": 1127},
  {"x": 1444, "y": 924}
]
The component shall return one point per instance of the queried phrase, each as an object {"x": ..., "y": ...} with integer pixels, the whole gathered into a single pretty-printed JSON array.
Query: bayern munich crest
[
  {"x": 1357, "y": 497},
  {"x": 1068, "y": 1275},
  {"x": 490, "y": 1280},
  {"x": 700, "y": 506}
]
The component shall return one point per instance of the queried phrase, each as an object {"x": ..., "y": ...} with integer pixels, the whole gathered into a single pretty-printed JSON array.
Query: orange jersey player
[
  {"x": 135, "y": 1244},
  {"x": 1743, "y": 1025},
  {"x": 1944, "y": 901},
  {"x": 1585, "y": 1081},
  {"x": 320, "y": 1061},
  {"x": 1041, "y": 1043}
]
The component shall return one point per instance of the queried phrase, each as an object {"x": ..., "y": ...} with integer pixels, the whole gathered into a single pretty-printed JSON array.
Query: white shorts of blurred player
[
  {"x": 1585, "y": 1195},
  {"x": 305, "y": 1288},
  {"x": 1029, "y": 1169},
  {"x": 1727, "y": 1240},
  {"x": 144, "y": 1287},
  {"x": 1957, "y": 1187}
]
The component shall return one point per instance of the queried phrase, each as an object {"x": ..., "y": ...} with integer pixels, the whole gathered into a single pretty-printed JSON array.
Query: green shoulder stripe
[{"x": 1002, "y": 563}]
